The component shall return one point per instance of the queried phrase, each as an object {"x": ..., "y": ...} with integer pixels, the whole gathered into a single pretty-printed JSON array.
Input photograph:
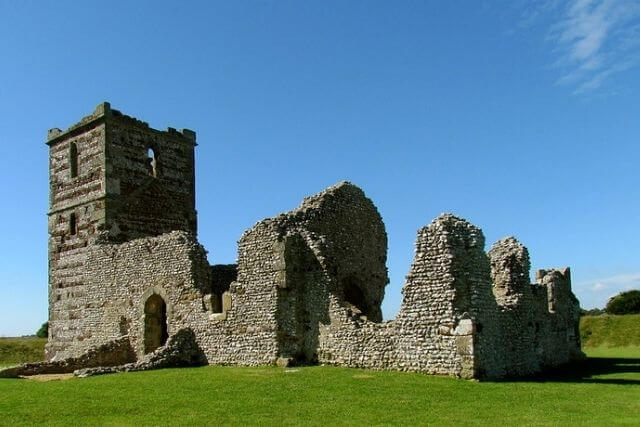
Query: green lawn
[{"x": 605, "y": 391}]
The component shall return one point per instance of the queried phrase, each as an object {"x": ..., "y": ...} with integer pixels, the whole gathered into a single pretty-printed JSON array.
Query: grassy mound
[
  {"x": 610, "y": 331},
  {"x": 14, "y": 351}
]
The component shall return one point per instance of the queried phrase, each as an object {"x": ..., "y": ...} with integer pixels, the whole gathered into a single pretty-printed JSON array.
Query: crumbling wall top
[{"x": 510, "y": 266}]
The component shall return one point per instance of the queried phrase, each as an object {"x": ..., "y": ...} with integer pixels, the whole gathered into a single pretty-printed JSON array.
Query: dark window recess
[
  {"x": 155, "y": 323},
  {"x": 354, "y": 296},
  {"x": 73, "y": 224},
  {"x": 73, "y": 160},
  {"x": 216, "y": 303}
]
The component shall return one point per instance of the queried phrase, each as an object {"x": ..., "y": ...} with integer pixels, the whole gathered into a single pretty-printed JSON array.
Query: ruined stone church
[{"x": 129, "y": 280}]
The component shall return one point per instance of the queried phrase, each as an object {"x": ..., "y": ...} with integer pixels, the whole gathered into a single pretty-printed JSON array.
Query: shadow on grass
[{"x": 590, "y": 371}]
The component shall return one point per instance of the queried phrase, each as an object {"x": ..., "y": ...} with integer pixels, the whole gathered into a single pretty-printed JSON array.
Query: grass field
[
  {"x": 605, "y": 391},
  {"x": 14, "y": 351},
  {"x": 609, "y": 330}
]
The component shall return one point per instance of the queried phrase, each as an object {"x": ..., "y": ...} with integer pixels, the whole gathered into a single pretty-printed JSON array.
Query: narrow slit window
[
  {"x": 73, "y": 224},
  {"x": 73, "y": 160},
  {"x": 152, "y": 162}
]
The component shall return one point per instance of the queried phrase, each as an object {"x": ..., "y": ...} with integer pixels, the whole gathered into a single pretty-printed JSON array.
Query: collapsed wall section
[{"x": 464, "y": 313}]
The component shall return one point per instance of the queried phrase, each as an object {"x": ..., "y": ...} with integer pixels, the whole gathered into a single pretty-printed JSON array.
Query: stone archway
[{"x": 155, "y": 323}]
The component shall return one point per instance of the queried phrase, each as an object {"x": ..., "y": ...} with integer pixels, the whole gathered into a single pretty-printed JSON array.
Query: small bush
[
  {"x": 43, "y": 332},
  {"x": 624, "y": 303}
]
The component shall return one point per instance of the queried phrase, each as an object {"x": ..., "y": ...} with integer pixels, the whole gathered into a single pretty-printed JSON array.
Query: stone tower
[{"x": 112, "y": 178}]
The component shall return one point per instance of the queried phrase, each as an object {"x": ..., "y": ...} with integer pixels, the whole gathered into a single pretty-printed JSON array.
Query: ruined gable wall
[
  {"x": 345, "y": 231},
  {"x": 327, "y": 256},
  {"x": 323, "y": 244}
]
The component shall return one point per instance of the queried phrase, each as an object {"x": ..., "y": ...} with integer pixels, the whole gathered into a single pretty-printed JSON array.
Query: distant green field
[
  {"x": 610, "y": 331},
  {"x": 14, "y": 351},
  {"x": 603, "y": 391}
]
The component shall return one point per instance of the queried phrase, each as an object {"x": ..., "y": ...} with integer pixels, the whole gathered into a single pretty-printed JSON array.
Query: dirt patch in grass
[{"x": 48, "y": 377}]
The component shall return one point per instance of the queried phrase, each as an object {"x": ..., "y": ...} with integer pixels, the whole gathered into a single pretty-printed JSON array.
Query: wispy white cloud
[
  {"x": 596, "y": 292},
  {"x": 592, "y": 40},
  {"x": 596, "y": 39},
  {"x": 620, "y": 281}
]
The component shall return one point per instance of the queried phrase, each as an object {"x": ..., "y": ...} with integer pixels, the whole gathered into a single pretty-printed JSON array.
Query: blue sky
[{"x": 520, "y": 116}]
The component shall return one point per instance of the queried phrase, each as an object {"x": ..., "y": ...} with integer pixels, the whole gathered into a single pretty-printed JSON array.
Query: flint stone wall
[
  {"x": 434, "y": 329},
  {"x": 122, "y": 277},
  {"x": 308, "y": 284},
  {"x": 112, "y": 197},
  {"x": 329, "y": 254},
  {"x": 308, "y": 290},
  {"x": 461, "y": 314},
  {"x": 466, "y": 313}
]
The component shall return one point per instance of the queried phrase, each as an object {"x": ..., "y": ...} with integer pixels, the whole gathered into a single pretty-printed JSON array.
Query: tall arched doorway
[{"x": 155, "y": 323}]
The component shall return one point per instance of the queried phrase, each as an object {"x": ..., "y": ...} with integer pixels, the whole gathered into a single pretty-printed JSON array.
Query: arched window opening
[
  {"x": 152, "y": 162},
  {"x": 354, "y": 296},
  {"x": 155, "y": 323},
  {"x": 73, "y": 160},
  {"x": 73, "y": 224}
]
